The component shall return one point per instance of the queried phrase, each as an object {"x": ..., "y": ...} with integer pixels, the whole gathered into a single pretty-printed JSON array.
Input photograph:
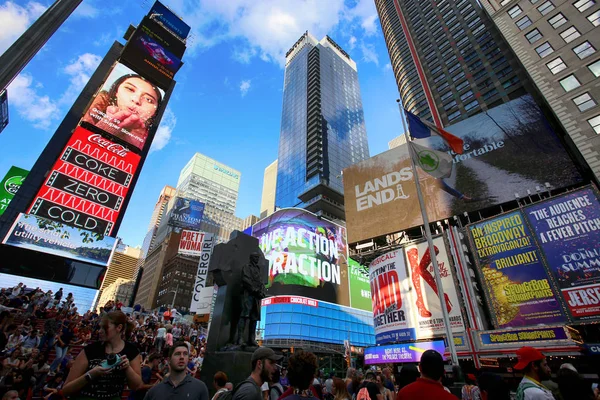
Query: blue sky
[{"x": 227, "y": 101}]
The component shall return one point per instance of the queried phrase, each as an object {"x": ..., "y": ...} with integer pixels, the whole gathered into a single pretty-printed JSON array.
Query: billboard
[
  {"x": 360, "y": 289},
  {"x": 3, "y": 110},
  {"x": 424, "y": 295},
  {"x": 154, "y": 57},
  {"x": 186, "y": 214},
  {"x": 125, "y": 106},
  {"x": 9, "y": 186},
  {"x": 307, "y": 255},
  {"x": 508, "y": 149},
  {"x": 202, "y": 295},
  {"x": 567, "y": 229},
  {"x": 88, "y": 183},
  {"x": 171, "y": 21},
  {"x": 190, "y": 243},
  {"x": 401, "y": 353},
  {"x": 47, "y": 236},
  {"x": 513, "y": 276}
]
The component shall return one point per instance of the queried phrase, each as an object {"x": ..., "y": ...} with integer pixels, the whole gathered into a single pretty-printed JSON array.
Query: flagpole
[{"x": 436, "y": 268}]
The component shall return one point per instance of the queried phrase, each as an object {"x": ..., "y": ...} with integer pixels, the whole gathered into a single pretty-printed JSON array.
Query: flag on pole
[
  {"x": 436, "y": 163},
  {"x": 420, "y": 129}
]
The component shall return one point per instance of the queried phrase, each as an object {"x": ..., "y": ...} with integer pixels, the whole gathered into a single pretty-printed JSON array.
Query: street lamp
[{"x": 174, "y": 295}]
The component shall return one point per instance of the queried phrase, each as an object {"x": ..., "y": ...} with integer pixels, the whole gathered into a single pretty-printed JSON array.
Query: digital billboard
[
  {"x": 171, "y": 21},
  {"x": 360, "y": 289},
  {"x": 125, "y": 106},
  {"x": 157, "y": 57},
  {"x": 9, "y": 186},
  {"x": 567, "y": 229},
  {"x": 401, "y": 353},
  {"x": 307, "y": 255},
  {"x": 47, "y": 236},
  {"x": 202, "y": 295},
  {"x": 513, "y": 276},
  {"x": 186, "y": 214},
  {"x": 88, "y": 183},
  {"x": 508, "y": 149},
  {"x": 3, "y": 110}
]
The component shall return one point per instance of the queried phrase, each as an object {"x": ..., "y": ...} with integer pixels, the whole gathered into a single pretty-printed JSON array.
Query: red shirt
[{"x": 424, "y": 388}]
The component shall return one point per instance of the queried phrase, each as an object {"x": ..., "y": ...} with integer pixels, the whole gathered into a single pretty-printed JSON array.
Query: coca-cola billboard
[{"x": 87, "y": 185}]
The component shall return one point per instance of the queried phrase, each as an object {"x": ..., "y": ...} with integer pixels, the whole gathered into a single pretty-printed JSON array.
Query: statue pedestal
[{"x": 236, "y": 364}]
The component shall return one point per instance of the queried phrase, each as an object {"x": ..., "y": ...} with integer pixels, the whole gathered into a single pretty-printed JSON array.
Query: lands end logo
[{"x": 13, "y": 184}]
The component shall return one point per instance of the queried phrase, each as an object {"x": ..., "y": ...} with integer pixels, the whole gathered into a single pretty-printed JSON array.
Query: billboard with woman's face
[{"x": 125, "y": 107}]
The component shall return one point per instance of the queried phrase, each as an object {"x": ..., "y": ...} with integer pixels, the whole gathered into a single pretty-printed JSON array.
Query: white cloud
[
  {"x": 245, "y": 87},
  {"x": 244, "y": 55},
  {"x": 366, "y": 13},
  {"x": 87, "y": 10},
  {"x": 387, "y": 67},
  {"x": 31, "y": 106},
  {"x": 16, "y": 19},
  {"x": 369, "y": 54},
  {"x": 352, "y": 42},
  {"x": 164, "y": 131},
  {"x": 79, "y": 72}
]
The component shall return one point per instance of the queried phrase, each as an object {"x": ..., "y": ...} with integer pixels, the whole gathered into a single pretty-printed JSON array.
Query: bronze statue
[{"x": 253, "y": 291}]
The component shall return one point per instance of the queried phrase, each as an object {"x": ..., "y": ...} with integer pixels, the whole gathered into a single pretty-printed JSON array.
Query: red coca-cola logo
[{"x": 108, "y": 145}]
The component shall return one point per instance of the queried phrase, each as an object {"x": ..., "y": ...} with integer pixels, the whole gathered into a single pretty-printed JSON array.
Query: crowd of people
[{"x": 109, "y": 354}]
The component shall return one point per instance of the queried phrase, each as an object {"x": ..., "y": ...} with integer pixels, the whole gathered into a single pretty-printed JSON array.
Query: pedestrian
[
  {"x": 150, "y": 377},
  {"x": 572, "y": 386},
  {"x": 428, "y": 386},
  {"x": 103, "y": 368},
  {"x": 179, "y": 385},
  {"x": 408, "y": 374},
  {"x": 388, "y": 379},
  {"x": 535, "y": 367},
  {"x": 340, "y": 390},
  {"x": 219, "y": 382},
  {"x": 11, "y": 395},
  {"x": 470, "y": 391},
  {"x": 50, "y": 328},
  {"x": 302, "y": 367},
  {"x": 492, "y": 387},
  {"x": 283, "y": 380},
  {"x": 63, "y": 340},
  {"x": 58, "y": 296},
  {"x": 159, "y": 341},
  {"x": 369, "y": 389},
  {"x": 263, "y": 366},
  {"x": 385, "y": 392},
  {"x": 275, "y": 387}
]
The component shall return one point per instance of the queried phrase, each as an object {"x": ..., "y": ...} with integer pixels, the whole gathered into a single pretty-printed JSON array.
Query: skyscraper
[
  {"x": 449, "y": 60},
  {"x": 322, "y": 127},
  {"x": 267, "y": 203},
  {"x": 557, "y": 42},
  {"x": 122, "y": 266}
]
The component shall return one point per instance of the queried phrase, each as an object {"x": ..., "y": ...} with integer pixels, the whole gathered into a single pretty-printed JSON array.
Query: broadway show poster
[
  {"x": 186, "y": 214},
  {"x": 567, "y": 229},
  {"x": 360, "y": 290},
  {"x": 424, "y": 294},
  {"x": 392, "y": 316},
  {"x": 125, "y": 107},
  {"x": 307, "y": 256},
  {"x": 513, "y": 276}
]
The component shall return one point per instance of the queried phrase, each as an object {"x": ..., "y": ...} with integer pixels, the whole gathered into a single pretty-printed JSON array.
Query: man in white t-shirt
[{"x": 535, "y": 367}]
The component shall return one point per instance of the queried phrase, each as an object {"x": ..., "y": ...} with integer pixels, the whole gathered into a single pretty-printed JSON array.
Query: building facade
[
  {"x": 248, "y": 222},
  {"x": 558, "y": 42},
  {"x": 122, "y": 265},
  {"x": 176, "y": 283},
  {"x": 120, "y": 290},
  {"x": 397, "y": 141},
  {"x": 322, "y": 127},
  {"x": 267, "y": 203},
  {"x": 449, "y": 60}
]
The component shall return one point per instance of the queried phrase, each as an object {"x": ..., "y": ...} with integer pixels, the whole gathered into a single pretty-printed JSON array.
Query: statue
[{"x": 253, "y": 291}]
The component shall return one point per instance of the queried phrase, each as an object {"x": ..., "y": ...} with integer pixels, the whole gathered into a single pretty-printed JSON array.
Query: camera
[{"x": 112, "y": 360}]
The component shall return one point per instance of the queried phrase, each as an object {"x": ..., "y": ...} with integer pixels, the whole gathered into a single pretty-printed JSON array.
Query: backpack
[
  {"x": 276, "y": 388},
  {"x": 521, "y": 390},
  {"x": 229, "y": 394},
  {"x": 363, "y": 394}
]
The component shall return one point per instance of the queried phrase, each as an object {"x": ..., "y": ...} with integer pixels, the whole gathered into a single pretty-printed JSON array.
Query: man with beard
[
  {"x": 533, "y": 363},
  {"x": 178, "y": 385},
  {"x": 263, "y": 366}
]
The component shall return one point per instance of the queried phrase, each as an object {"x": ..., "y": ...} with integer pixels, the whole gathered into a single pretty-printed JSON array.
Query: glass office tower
[{"x": 322, "y": 127}]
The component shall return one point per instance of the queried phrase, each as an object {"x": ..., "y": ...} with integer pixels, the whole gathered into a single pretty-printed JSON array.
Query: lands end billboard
[{"x": 508, "y": 149}]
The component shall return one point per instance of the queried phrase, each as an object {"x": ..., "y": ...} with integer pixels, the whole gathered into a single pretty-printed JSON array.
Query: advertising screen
[
  {"x": 507, "y": 149},
  {"x": 186, "y": 214},
  {"x": 202, "y": 295},
  {"x": 150, "y": 54},
  {"x": 513, "y": 276},
  {"x": 567, "y": 229},
  {"x": 307, "y": 255},
  {"x": 170, "y": 20},
  {"x": 190, "y": 243},
  {"x": 125, "y": 106},
  {"x": 47, "y": 236},
  {"x": 400, "y": 353},
  {"x": 86, "y": 186},
  {"x": 360, "y": 290},
  {"x": 9, "y": 186},
  {"x": 3, "y": 110}
]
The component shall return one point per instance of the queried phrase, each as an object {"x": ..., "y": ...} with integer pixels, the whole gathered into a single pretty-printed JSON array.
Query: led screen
[{"x": 186, "y": 214}]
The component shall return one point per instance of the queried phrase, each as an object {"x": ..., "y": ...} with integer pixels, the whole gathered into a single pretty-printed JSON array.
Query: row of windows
[
  {"x": 559, "y": 19},
  {"x": 582, "y": 51}
]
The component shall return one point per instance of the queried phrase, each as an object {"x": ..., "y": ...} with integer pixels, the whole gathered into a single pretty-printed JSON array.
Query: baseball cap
[
  {"x": 265, "y": 352},
  {"x": 527, "y": 354}
]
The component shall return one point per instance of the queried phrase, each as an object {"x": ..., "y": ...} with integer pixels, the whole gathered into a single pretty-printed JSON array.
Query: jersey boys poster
[
  {"x": 514, "y": 278},
  {"x": 567, "y": 229}
]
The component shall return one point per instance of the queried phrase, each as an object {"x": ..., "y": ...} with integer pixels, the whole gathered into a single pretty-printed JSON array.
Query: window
[
  {"x": 471, "y": 105},
  {"x": 569, "y": 83},
  {"x": 584, "y": 49},
  {"x": 504, "y": 2},
  {"x": 513, "y": 12},
  {"x": 466, "y": 95},
  {"x": 447, "y": 96},
  {"x": 584, "y": 102},
  {"x": 595, "y": 123},
  {"x": 556, "y": 65},
  {"x": 595, "y": 68},
  {"x": 546, "y": 8},
  {"x": 544, "y": 49},
  {"x": 462, "y": 86},
  {"x": 456, "y": 114},
  {"x": 534, "y": 35},
  {"x": 450, "y": 105},
  {"x": 583, "y": 5},
  {"x": 570, "y": 34},
  {"x": 523, "y": 23},
  {"x": 594, "y": 18},
  {"x": 557, "y": 20}
]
